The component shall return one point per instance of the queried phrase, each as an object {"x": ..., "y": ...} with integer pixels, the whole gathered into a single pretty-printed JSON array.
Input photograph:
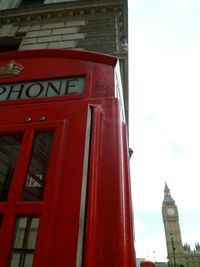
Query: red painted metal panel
[{"x": 109, "y": 229}]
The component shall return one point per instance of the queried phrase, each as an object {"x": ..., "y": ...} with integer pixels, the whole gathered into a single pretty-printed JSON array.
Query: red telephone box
[{"x": 64, "y": 177}]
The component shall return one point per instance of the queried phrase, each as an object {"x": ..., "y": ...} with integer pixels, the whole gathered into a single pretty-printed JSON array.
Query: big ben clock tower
[{"x": 175, "y": 249}]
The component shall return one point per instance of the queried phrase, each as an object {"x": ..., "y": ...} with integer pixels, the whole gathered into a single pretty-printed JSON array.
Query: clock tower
[{"x": 175, "y": 249}]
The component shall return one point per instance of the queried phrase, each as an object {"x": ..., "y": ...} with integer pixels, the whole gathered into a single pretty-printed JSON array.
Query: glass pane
[
  {"x": 9, "y": 149},
  {"x": 21, "y": 260},
  {"x": 28, "y": 260},
  {"x": 37, "y": 171},
  {"x": 26, "y": 229},
  {"x": 33, "y": 233},
  {"x": 20, "y": 232},
  {"x": 15, "y": 260}
]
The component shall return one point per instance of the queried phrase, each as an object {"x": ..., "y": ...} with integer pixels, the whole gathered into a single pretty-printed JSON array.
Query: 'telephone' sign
[{"x": 43, "y": 88}]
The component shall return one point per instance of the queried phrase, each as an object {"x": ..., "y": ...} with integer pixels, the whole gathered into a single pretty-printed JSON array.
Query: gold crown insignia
[{"x": 11, "y": 69}]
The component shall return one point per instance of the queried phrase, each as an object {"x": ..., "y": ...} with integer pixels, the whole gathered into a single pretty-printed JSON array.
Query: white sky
[{"x": 164, "y": 59}]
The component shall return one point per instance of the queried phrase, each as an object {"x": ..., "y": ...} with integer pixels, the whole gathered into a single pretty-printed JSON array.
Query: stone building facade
[
  {"x": 100, "y": 26},
  {"x": 178, "y": 254}
]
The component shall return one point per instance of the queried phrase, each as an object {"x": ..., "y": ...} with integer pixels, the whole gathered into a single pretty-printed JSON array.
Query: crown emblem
[{"x": 11, "y": 69}]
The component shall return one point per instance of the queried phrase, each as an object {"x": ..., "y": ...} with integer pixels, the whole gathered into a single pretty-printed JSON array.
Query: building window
[
  {"x": 27, "y": 3},
  {"x": 24, "y": 242},
  {"x": 38, "y": 166},
  {"x": 9, "y": 150},
  {"x": 59, "y": 1},
  {"x": 9, "y": 47}
]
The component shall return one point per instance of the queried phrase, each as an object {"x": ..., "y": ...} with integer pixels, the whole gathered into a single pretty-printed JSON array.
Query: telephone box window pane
[
  {"x": 28, "y": 260},
  {"x": 33, "y": 233},
  {"x": 15, "y": 260},
  {"x": 38, "y": 166},
  {"x": 26, "y": 229},
  {"x": 9, "y": 150}
]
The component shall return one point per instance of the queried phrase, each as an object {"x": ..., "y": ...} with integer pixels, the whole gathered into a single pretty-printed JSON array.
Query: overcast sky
[{"x": 164, "y": 59}]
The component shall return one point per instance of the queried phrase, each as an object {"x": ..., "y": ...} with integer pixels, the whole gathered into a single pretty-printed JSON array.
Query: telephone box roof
[{"x": 73, "y": 54}]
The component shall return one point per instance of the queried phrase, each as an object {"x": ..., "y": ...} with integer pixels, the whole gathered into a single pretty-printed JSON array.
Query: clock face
[{"x": 170, "y": 211}]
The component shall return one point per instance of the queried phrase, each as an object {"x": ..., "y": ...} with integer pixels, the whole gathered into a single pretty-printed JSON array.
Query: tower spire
[{"x": 167, "y": 196}]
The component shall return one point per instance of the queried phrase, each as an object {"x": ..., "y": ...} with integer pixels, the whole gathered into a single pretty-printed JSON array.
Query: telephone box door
[{"x": 36, "y": 185}]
